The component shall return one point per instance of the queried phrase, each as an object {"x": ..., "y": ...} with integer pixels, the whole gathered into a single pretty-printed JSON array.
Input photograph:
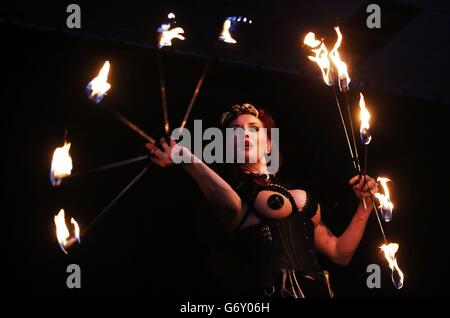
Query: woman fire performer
[{"x": 277, "y": 230}]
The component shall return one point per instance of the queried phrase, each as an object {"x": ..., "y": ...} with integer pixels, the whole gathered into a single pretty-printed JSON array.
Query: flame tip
[
  {"x": 61, "y": 165},
  {"x": 99, "y": 86},
  {"x": 225, "y": 35},
  {"x": 397, "y": 275},
  {"x": 167, "y": 34},
  {"x": 323, "y": 58},
  {"x": 365, "y": 118},
  {"x": 62, "y": 232}
]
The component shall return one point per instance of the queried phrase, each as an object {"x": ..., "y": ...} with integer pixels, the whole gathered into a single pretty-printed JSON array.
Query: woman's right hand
[{"x": 162, "y": 158}]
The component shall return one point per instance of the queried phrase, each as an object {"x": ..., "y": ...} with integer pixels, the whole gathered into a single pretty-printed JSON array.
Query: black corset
[
  {"x": 279, "y": 244},
  {"x": 276, "y": 244}
]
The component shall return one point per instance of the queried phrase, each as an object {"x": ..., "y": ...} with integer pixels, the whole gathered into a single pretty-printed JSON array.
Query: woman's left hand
[{"x": 364, "y": 187}]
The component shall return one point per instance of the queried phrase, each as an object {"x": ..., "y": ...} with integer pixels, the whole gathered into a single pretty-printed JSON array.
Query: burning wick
[
  {"x": 99, "y": 86},
  {"x": 225, "y": 36},
  {"x": 344, "y": 79},
  {"x": 229, "y": 25},
  {"x": 65, "y": 239},
  {"x": 385, "y": 205},
  {"x": 167, "y": 34},
  {"x": 325, "y": 59},
  {"x": 61, "y": 166},
  {"x": 320, "y": 57},
  {"x": 389, "y": 253},
  {"x": 364, "y": 131}
]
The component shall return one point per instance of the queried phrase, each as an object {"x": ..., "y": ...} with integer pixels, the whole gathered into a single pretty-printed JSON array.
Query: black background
[{"x": 156, "y": 241}]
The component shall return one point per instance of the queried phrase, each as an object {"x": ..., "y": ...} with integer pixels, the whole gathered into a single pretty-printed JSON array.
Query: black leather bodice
[{"x": 276, "y": 243}]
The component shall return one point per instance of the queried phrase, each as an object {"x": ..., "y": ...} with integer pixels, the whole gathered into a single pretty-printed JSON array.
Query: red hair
[{"x": 260, "y": 113}]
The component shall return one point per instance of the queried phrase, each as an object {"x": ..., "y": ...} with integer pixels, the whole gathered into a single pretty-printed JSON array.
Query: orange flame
[
  {"x": 320, "y": 57},
  {"x": 62, "y": 232},
  {"x": 61, "y": 164},
  {"x": 389, "y": 253},
  {"x": 365, "y": 125},
  {"x": 385, "y": 204},
  {"x": 99, "y": 86},
  {"x": 324, "y": 59},
  {"x": 167, "y": 34},
  {"x": 225, "y": 36},
  {"x": 341, "y": 67}
]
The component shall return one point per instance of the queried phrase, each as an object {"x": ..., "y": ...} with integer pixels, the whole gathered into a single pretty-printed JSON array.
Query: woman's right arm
[{"x": 225, "y": 202}]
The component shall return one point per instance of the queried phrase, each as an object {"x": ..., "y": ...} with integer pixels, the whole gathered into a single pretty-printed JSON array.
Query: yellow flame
[
  {"x": 167, "y": 34},
  {"x": 77, "y": 229},
  {"x": 99, "y": 85},
  {"x": 311, "y": 41},
  {"x": 364, "y": 114},
  {"x": 324, "y": 59},
  {"x": 320, "y": 57},
  {"x": 335, "y": 57},
  {"x": 385, "y": 198},
  {"x": 61, "y": 164},
  {"x": 62, "y": 232},
  {"x": 225, "y": 36},
  {"x": 389, "y": 253}
]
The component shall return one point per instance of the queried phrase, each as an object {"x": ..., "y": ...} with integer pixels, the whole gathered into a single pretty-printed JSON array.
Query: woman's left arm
[{"x": 341, "y": 249}]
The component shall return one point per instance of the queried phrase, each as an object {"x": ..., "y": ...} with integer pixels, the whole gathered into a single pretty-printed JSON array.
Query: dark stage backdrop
[{"x": 158, "y": 241}]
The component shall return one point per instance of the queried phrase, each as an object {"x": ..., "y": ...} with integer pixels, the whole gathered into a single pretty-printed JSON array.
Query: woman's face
[{"x": 254, "y": 143}]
